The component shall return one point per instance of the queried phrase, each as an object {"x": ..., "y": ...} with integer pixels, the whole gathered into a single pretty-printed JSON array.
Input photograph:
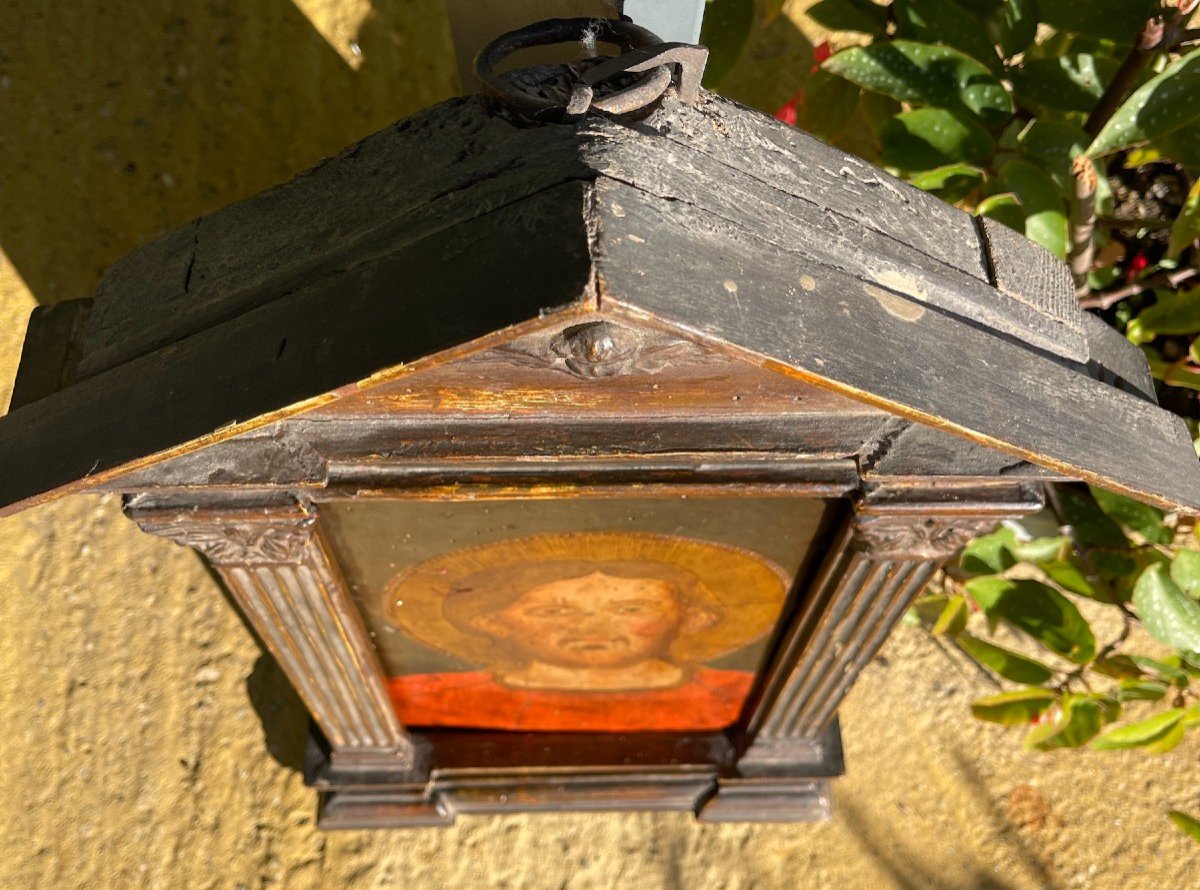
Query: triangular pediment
[
  {"x": 765, "y": 279},
  {"x": 571, "y": 389}
]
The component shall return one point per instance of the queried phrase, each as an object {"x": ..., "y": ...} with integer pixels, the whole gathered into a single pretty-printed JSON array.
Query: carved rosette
[
  {"x": 909, "y": 537},
  {"x": 596, "y": 350}
]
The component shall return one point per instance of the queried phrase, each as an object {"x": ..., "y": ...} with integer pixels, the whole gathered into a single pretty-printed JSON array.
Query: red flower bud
[
  {"x": 1137, "y": 263},
  {"x": 788, "y": 110}
]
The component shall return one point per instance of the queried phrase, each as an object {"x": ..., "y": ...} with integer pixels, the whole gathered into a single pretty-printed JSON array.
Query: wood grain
[{"x": 875, "y": 344}]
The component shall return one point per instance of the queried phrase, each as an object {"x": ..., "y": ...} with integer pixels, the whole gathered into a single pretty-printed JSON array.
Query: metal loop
[{"x": 643, "y": 52}]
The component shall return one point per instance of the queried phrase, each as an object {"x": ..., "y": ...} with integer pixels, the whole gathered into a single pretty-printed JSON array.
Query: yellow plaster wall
[{"x": 146, "y": 743}]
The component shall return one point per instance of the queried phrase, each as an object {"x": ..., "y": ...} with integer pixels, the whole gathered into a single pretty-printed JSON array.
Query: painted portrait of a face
[{"x": 584, "y": 632}]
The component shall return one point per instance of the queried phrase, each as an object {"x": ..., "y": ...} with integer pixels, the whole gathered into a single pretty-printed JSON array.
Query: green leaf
[
  {"x": 1078, "y": 722},
  {"x": 1040, "y": 549},
  {"x": 1141, "y": 690},
  {"x": 1069, "y": 83},
  {"x": 1053, "y": 142},
  {"x": 1163, "y": 669},
  {"x": 850, "y": 15},
  {"x": 1092, "y": 527},
  {"x": 933, "y": 137},
  {"x": 1008, "y": 664},
  {"x": 1149, "y": 733},
  {"x": 1170, "y": 314},
  {"x": 1147, "y": 521},
  {"x": 929, "y": 608},
  {"x": 1168, "y": 614},
  {"x": 951, "y": 183},
  {"x": 1182, "y": 146},
  {"x": 1014, "y": 708},
  {"x": 1013, "y": 25},
  {"x": 1189, "y": 825},
  {"x": 726, "y": 30},
  {"x": 1102, "y": 279},
  {"x": 1186, "y": 228},
  {"x": 946, "y": 23},
  {"x": 1114, "y": 565},
  {"x": 1119, "y": 20},
  {"x": 1161, "y": 106},
  {"x": 829, "y": 104},
  {"x": 921, "y": 74},
  {"x": 1039, "y": 611},
  {"x": 1185, "y": 571},
  {"x": 1044, "y": 204},
  {"x": 1171, "y": 373},
  {"x": 1070, "y": 577},
  {"x": 1168, "y": 742},
  {"x": 953, "y": 619},
  {"x": 1119, "y": 667},
  {"x": 1003, "y": 208},
  {"x": 1110, "y": 706},
  {"x": 990, "y": 554}
]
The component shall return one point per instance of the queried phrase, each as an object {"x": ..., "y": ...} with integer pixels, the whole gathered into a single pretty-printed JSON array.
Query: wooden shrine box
[{"x": 582, "y": 465}]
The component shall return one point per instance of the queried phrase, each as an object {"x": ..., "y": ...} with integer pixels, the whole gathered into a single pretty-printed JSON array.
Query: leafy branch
[{"x": 1077, "y": 124}]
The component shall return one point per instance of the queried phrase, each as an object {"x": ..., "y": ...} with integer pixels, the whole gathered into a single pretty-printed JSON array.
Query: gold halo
[{"x": 747, "y": 589}]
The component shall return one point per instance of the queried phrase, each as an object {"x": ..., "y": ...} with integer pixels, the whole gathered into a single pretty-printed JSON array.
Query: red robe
[{"x": 711, "y": 700}]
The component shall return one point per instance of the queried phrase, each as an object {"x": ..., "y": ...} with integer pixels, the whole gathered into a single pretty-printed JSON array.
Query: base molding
[{"x": 713, "y": 791}]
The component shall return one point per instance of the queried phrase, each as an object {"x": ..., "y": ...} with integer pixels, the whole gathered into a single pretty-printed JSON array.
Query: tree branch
[
  {"x": 1115, "y": 222},
  {"x": 1157, "y": 35},
  {"x": 1119, "y": 87},
  {"x": 1083, "y": 222},
  {"x": 1173, "y": 280}
]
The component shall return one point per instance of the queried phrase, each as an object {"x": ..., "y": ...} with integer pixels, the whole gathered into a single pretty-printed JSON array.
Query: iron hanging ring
[{"x": 640, "y": 46}]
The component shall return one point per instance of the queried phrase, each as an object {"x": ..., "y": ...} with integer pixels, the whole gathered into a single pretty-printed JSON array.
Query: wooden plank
[
  {"x": 272, "y": 361},
  {"x": 457, "y": 160},
  {"x": 804, "y": 221},
  {"x": 440, "y": 167},
  {"x": 1116, "y": 360},
  {"x": 51, "y": 350},
  {"x": 802, "y": 166},
  {"x": 1029, "y": 273},
  {"x": 826, "y": 326}
]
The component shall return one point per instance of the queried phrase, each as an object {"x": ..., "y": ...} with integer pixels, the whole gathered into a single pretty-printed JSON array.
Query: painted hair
[{"x": 493, "y": 590}]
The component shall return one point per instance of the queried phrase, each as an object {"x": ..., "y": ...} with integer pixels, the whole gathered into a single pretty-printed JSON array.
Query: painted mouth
[{"x": 591, "y": 644}]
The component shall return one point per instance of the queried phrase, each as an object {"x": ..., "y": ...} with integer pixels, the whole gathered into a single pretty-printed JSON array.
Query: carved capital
[
  {"x": 259, "y": 539},
  {"x": 901, "y": 536},
  {"x": 278, "y": 570}
]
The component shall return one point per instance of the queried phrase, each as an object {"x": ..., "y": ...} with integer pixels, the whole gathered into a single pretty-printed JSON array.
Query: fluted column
[
  {"x": 277, "y": 566},
  {"x": 880, "y": 561}
]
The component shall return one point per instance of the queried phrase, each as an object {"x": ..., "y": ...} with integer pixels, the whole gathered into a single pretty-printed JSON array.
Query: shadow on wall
[
  {"x": 284, "y": 718},
  {"x": 904, "y": 864},
  {"x": 125, "y": 119}
]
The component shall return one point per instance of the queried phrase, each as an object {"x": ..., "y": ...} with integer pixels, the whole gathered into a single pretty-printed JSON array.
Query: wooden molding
[
  {"x": 278, "y": 568},
  {"x": 879, "y": 562},
  {"x": 910, "y": 538}
]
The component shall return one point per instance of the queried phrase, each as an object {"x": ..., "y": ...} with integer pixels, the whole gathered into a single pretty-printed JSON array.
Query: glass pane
[{"x": 581, "y": 614}]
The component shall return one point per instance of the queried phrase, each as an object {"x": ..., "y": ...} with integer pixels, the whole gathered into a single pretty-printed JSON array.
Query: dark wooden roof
[{"x": 713, "y": 222}]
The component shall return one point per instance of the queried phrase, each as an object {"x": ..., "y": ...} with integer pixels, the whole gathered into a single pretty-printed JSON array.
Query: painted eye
[{"x": 552, "y": 612}]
